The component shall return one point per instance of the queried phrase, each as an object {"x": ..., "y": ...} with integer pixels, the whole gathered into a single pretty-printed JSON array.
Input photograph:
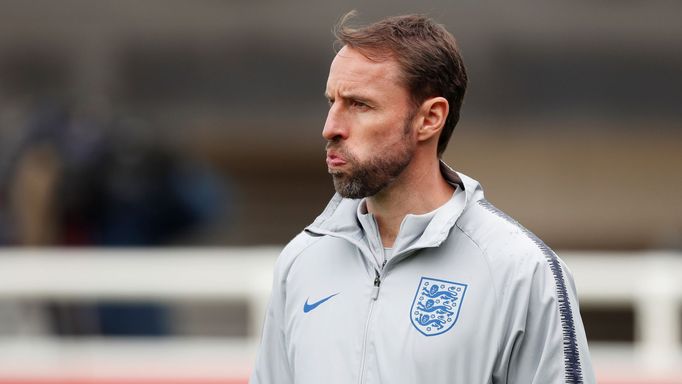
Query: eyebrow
[{"x": 350, "y": 96}]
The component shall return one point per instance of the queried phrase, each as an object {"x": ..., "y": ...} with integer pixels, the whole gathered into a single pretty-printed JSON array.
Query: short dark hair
[{"x": 426, "y": 52}]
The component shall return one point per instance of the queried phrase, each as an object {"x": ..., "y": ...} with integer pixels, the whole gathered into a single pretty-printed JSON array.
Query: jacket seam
[
  {"x": 490, "y": 273},
  {"x": 295, "y": 257}
]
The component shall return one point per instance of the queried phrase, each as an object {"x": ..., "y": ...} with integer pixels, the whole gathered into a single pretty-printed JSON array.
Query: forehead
[{"x": 351, "y": 71}]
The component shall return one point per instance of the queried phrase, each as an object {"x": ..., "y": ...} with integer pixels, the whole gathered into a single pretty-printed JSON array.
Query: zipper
[
  {"x": 377, "y": 282},
  {"x": 375, "y": 296},
  {"x": 377, "y": 285}
]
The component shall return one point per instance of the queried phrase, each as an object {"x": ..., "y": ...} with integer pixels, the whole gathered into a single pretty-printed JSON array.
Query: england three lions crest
[{"x": 436, "y": 305}]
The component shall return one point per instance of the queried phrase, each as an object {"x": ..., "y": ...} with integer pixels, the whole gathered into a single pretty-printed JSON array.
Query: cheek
[
  {"x": 377, "y": 130},
  {"x": 375, "y": 135}
]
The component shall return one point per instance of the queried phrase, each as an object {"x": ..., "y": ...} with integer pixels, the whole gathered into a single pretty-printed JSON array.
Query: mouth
[{"x": 334, "y": 160}]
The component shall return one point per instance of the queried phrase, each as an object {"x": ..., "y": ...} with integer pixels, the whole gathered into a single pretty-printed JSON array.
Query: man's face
[{"x": 370, "y": 140}]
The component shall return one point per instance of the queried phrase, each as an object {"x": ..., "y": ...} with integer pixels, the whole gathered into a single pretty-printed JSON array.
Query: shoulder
[
  {"x": 509, "y": 248},
  {"x": 292, "y": 251},
  {"x": 525, "y": 271}
]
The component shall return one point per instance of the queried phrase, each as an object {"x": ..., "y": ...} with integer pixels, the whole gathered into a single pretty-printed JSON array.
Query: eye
[{"x": 358, "y": 104}]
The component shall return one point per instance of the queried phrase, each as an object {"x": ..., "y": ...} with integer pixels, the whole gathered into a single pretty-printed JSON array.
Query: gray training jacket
[{"x": 469, "y": 297}]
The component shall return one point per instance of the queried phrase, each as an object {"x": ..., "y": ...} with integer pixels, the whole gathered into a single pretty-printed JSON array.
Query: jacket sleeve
[
  {"x": 272, "y": 365},
  {"x": 546, "y": 343}
]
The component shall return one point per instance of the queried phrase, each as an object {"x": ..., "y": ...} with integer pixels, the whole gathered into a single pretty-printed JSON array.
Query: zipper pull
[{"x": 377, "y": 285}]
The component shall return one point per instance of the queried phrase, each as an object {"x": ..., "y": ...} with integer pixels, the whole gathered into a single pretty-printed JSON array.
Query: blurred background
[{"x": 156, "y": 155}]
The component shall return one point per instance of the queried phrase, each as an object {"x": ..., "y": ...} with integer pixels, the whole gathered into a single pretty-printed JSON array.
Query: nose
[{"x": 334, "y": 126}]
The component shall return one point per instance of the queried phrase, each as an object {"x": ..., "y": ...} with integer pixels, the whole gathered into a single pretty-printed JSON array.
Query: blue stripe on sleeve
[{"x": 572, "y": 364}]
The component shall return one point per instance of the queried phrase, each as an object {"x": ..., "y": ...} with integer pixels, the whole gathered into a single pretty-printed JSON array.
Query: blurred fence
[{"x": 646, "y": 282}]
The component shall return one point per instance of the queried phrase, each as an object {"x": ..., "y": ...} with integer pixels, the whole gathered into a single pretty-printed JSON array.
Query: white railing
[
  {"x": 648, "y": 281},
  {"x": 27, "y": 275}
]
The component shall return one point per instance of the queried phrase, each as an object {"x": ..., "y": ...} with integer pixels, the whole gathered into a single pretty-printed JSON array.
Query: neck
[{"x": 419, "y": 189}]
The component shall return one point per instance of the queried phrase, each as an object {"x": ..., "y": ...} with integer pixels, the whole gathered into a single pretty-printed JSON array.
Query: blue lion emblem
[{"x": 436, "y": 305}]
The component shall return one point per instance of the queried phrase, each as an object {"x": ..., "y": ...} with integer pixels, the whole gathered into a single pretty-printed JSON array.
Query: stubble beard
[{"x": 365, "y": 179}]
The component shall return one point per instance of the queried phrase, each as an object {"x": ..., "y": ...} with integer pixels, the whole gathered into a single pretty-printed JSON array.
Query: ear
[{"x": 433, "y": 113}]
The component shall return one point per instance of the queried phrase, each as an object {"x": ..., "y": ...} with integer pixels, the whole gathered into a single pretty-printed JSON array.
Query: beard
[{"x": 365, "y": 179}]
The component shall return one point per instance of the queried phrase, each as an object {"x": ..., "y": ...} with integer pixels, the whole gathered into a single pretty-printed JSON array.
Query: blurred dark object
[
  {"x": 133, "y": 194},
  {"x": 74, "y": 180},
  {"x": 111, "y": 319},
  {"x": 611, "y": 324},
  {"x": 77, "y": 181}
]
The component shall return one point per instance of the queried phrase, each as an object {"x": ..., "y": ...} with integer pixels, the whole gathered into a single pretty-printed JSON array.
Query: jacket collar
[{"x": 340, "y": 217}]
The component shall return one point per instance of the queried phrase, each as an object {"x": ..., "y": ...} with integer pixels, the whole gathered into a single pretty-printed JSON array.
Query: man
[{"x": 410, "y": 275}]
